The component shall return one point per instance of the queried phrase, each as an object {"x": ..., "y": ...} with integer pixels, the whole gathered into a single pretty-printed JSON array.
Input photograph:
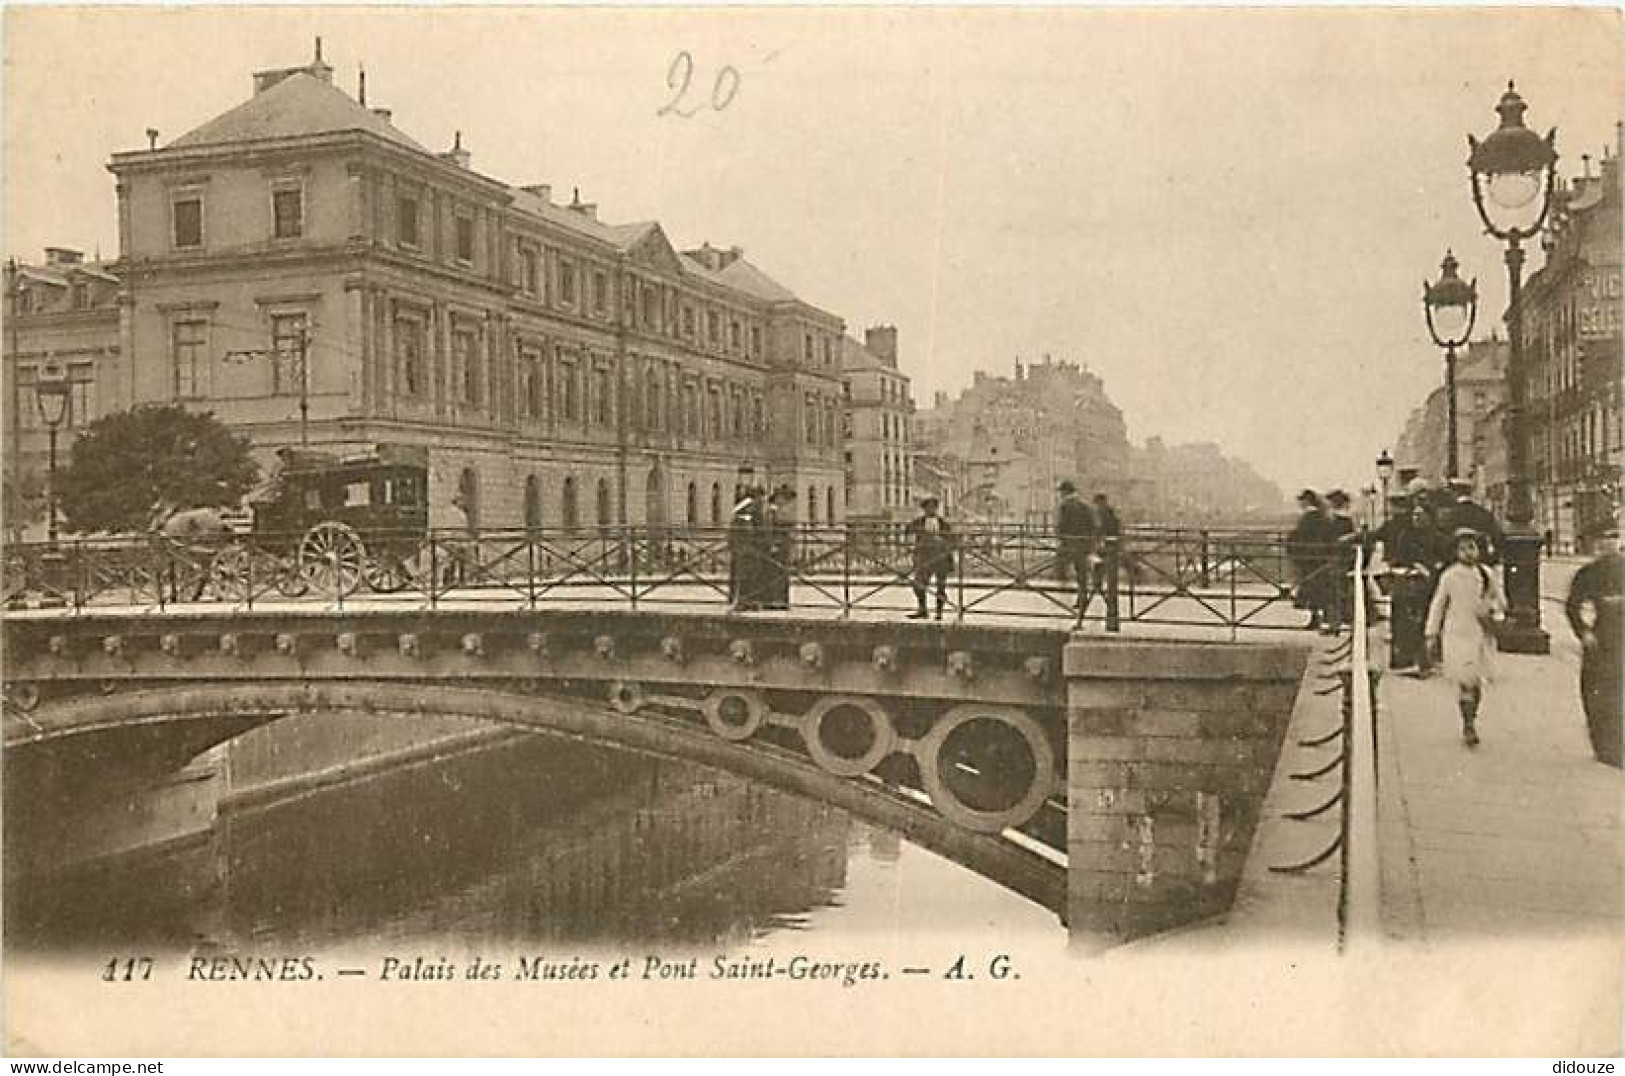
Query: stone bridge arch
[{"x": 176, "y": 721}]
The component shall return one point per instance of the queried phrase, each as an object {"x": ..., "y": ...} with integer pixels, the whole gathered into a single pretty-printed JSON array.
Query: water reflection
[{"x": 535, "y": 841}]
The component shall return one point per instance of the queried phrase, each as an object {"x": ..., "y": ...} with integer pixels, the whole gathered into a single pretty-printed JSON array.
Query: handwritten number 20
[{"x": 681, "y": 73}]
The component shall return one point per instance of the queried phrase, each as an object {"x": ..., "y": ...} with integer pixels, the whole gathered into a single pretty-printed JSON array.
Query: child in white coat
[{"x": 1465, "y": 608}]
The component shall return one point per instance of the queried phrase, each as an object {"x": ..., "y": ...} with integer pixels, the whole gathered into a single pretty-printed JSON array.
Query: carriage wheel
[
  {"x": 331, "y": 557},
  {"x": 290, "y": 581},
  {"x": 388, "y": 571}
]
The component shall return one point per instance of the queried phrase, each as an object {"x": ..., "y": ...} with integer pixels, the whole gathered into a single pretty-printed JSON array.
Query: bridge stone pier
[{"x": 1115, "y": 781}]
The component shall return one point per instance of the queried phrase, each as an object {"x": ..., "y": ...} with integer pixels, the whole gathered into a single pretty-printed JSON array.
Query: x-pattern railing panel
[{"x": 1161, "y": 576}]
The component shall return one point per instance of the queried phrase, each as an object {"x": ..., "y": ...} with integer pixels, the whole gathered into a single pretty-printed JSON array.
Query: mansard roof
[{"x": 300, "y": 104}]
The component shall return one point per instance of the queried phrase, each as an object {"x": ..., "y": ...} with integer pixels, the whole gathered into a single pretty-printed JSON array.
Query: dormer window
[
  {"x": 288, "y": 210},
  {"x": 186, "y": 220}
]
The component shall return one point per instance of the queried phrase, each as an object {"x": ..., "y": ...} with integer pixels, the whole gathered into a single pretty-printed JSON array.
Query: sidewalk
[{"x": 1520, "y": 836}]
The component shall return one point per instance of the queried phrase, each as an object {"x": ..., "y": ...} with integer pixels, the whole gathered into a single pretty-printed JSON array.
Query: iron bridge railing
[{"x": 1230, "y": 580}]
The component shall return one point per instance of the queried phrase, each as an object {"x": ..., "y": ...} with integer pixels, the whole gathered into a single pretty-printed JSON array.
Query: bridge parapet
[{"x": 1170, "y": 749}]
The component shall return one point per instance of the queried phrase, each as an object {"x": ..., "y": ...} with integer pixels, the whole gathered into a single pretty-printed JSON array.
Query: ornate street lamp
[
  {"x": 1451, "y": 307},
  {"x": 51, "y": 395},
  {"x": 1513, "y": 173},
  {"x": 1385, "y": 472}
]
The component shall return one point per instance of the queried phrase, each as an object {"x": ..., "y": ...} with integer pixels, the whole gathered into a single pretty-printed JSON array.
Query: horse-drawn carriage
[{"x": 330, "y": 524}]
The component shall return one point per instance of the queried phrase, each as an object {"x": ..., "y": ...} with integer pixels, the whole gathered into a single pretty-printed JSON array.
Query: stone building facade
[
  {"x": 1480, "y": 438},
  {"x": 880, "y": 426},
  {"x": 560, "y": 370},
  {"x": 62, "y": 323},
  {"x": 1574, "y": 356}
]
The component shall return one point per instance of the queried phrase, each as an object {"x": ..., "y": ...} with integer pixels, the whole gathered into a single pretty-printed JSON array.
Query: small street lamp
[
  {"x": 1451, "y": 307},
  {"x": 1385, "y": 472},
  {"x": 1513, "y": 173},
  {"x": 51, "y": 395}
]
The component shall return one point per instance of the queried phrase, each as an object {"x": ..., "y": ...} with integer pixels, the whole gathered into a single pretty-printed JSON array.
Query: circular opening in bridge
[
  {"x": 848, "y": 736},
  {"x": 734, "y": 712},
  {"x": 987, "y": 764},
  {"x": 847, "y": 732}
]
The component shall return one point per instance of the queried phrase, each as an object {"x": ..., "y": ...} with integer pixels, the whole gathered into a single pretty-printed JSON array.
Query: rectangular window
[
  {"x": 406, "y": 220},
  {"x": 82, "y": 394},
  {"x": 733, "y": 334},
  {"x": 603, "y": 398},
  {"x": 567, "y": 282},
  {"x": 600, "y": 293},
  {"x": 465, "y": 239},
  {"x": 569, "y": 391},
  {"x": 465, "y": 360},
  {"x": 688, "y": 321},
  {"x": 691, "y": 410},
  {"x": 288, "y": 353},
  {"x": 81, "y": 296},
  {"x": 530, "y": 275},
  {"x": 288, "y": 212},
  {"x": 409, "y": 351},
  {"x": 187, "y": 218},
  {"x": 829, "y": 353},
  {"x": 188, "y": 340},
  {"x": 756, "y": 341},
  {"x": 713, "y": 327},
  {"x": 736, "y": 412},
  {"x": 807, "y": 349},
  {"x": 651, "y": 308},
  {"x": 810, "y": 410}
]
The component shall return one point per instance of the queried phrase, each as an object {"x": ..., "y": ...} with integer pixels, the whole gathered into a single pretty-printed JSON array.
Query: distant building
[
  {"x": 559, "y": 369},
  {"x": 879, "y": 429},
  {"x": 62, "y": 324}
]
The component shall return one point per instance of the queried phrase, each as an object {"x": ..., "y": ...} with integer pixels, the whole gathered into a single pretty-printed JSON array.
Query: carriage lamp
[
  {"x": 1451, "y": 308},
  {"x": 51, "y": 395},
  {"x": 1513, "y": 172}
]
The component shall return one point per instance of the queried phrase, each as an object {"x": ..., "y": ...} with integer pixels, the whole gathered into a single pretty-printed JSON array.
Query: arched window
[
  {"x": 693, "y": 505},
  {"x": 468, "y": 498},
  {"x": 716, "y": 504},
  {"x": 533, "y": 503},
  {"x": 603, "y": 503},
  {"x": 812, "y": 504},
  {"x": 654, "y": 496},
  {"x": 571, "y": 517}
]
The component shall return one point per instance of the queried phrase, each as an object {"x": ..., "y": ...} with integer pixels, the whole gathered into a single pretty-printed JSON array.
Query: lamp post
[
  {"x": 1513, "y": 172},
  {"x": 1451, "y": 308},
  {"x": 1385, "y": 472},
  {"x": 51, "y": 395}
]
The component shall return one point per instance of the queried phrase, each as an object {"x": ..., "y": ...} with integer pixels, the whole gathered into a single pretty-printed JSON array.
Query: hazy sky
[{"x": 1227, "y": 215}]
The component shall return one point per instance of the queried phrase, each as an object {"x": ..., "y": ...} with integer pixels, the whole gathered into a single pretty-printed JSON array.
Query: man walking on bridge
[{"x": 933, "y": 556}]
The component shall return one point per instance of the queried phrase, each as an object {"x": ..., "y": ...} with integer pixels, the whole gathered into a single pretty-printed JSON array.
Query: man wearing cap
[
  {"x": 1463, "y": 512},
  {"x": 933, "y": 556},
  {"x": 1308, "y": 547},
  {"x": 1075, "y": 528}
]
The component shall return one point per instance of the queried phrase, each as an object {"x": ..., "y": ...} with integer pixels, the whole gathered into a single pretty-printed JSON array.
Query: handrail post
[
  {"x": 1113, "y": 551},
  {"x": 629, "y": 542}
]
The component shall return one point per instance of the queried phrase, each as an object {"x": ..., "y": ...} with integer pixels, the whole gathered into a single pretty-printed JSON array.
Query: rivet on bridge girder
[
  {"x": 536, "y": 642},
  {"x": 962, "y": 664},
  {"x": 812, "y": 655},
  {"x": 58, "y": 645},
  {"x": 1037, "y": 668},
  {"x": 474, "y": 644},
  {"x": 604, "y": 646},
  {"x": 743, "y": 651},
  {"x": 287, "y": 643},
  {"x": 230, "y": 644},
  {"x": 346, "y": 643},
  {"x": 113, "y": 645},
  {"x": 884, "y": 658},
  {"x": 671, "y": 648},
  {"x": 408, "y": 644},
  {"x": 169, "y": 643}
]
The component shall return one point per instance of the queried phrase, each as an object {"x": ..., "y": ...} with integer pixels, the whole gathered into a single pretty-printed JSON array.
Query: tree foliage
[
  {"x": 126, "y": 462},
  {"x": 24, "y": 500}
]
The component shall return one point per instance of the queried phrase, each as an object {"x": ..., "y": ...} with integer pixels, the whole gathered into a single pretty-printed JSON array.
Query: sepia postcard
[{"x": 908, "y": 530}]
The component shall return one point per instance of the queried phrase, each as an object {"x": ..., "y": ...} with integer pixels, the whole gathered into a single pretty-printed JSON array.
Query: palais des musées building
[{"x": 560, "y": 370}]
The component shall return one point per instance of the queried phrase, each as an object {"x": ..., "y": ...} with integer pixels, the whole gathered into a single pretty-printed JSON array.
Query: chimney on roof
[
  {"x": 586, "y": 209},
  {"x": 152, "y": 138},
  {"x": 457, "y": 154},
  {"x": 939, "y": 400},
  {"x": 63, "y": 256},
  {"x": 387, "y": 115},
  {"x": 317, "y": 68},
  {"x": 881, "y": 340},
  {"x": 544, "y": 191},
  {"x": 361, "y": 85}
]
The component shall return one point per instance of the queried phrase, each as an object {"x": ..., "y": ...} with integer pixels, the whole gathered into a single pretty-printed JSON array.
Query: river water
[{"x": 534, "y": 842}]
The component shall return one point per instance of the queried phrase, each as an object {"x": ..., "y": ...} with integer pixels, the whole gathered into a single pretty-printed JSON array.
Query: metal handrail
[{"x": 1152, "y": 576}]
